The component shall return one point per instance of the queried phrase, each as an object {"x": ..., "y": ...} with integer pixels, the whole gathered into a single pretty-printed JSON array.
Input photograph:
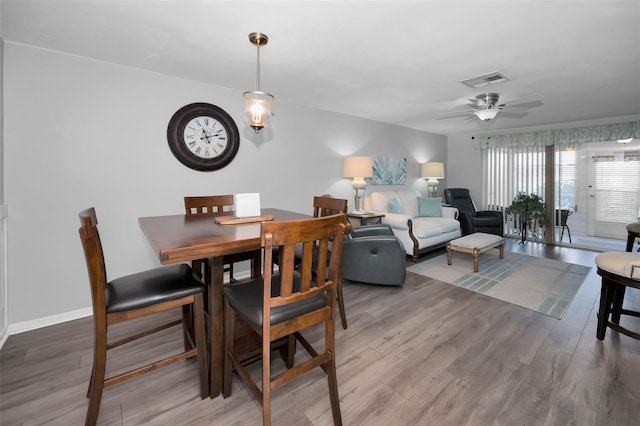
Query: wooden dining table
[{"x": 182, "y": 238}]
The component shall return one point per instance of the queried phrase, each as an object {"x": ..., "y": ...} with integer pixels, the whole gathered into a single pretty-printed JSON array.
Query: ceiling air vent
[{"x": 485, "y": 80}]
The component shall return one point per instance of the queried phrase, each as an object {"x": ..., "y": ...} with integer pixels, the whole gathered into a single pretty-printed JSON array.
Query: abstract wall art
[{"x": 389, "y": 170}]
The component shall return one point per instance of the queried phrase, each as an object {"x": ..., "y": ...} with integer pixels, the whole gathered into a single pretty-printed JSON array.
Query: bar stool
[
  {"x": 618, "y": 270},
  {"x": 634, "y": 232}
]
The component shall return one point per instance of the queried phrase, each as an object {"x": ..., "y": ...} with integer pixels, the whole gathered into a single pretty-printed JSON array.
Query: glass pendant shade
[{"x": 257, "y": 110}]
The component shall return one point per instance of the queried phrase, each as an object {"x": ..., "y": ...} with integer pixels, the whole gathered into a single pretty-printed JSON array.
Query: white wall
[
  {"x": 82, "y": 133},
  {"x": 464, "y": 165}
]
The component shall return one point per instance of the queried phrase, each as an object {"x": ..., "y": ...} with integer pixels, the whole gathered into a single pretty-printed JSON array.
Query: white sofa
[{"x": 417, "y": 234}]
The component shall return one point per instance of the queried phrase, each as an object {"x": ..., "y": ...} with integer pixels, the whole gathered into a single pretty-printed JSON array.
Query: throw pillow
[
  {"x": 430, "y": 207},
  {"x": 394, "y": 206}
]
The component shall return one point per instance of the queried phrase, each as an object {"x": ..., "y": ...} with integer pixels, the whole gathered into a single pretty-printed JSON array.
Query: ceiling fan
[{"x": 485, "y": 106}]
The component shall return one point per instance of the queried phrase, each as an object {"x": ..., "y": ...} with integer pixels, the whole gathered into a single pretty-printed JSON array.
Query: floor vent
[{"x": 485, "y": 80}]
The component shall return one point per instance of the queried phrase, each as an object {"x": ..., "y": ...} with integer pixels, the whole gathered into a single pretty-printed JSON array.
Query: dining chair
[
  {"x": 561, "y": 221},
  {"x": 282, "y": 304},
  {"x": 132, "y": 296},
  {"x": 324, "y": 205},
  {"x": 212, "y": 205}
]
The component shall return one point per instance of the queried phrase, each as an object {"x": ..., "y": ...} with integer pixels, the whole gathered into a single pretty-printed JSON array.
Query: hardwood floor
[{"x": 426, "y": 353}]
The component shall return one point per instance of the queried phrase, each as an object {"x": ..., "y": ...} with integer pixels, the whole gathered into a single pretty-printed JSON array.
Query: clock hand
[{"x": 204, "y": 133}]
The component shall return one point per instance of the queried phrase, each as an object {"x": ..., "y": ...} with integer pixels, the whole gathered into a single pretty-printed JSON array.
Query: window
[{"x": 617, "y": 187}]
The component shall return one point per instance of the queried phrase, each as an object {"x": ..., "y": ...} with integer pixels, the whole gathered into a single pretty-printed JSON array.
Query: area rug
[{"x": 542, "y": 285}]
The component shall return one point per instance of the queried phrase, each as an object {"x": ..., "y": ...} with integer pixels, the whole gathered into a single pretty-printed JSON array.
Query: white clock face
[{"x": 205, "y": 137}]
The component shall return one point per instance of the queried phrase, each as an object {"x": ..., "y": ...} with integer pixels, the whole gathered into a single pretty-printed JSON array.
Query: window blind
[{"x": 508, "y": 171}]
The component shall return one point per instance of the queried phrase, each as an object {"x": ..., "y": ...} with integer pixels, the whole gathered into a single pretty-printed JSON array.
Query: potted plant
[{"x": 531, "y": 211}]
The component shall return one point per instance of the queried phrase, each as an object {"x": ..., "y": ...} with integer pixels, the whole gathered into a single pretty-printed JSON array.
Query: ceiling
[{"x": 398, "y": 62}]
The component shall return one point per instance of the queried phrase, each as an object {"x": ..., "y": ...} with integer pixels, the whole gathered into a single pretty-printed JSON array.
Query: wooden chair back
[
  {"x": 211, "y": 205},
  {"x": 208, "y": 205},
  {"x": 94, "y": 257},
  {"x": 326, "y": 206}
]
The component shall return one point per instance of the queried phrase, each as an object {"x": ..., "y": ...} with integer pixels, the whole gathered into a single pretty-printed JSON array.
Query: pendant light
[{"x": 257, "y": 110}]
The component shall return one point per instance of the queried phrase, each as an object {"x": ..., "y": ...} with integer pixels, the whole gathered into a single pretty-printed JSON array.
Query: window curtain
[{"x": 563, "y": 137}]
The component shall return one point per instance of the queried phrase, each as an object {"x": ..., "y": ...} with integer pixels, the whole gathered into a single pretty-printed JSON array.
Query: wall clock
[{"x": 203, "y": 136}]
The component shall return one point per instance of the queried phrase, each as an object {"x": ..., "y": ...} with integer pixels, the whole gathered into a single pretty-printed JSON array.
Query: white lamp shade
[
  {"x": 434, "y": 170},
  {"x": 357, "y": 167}
]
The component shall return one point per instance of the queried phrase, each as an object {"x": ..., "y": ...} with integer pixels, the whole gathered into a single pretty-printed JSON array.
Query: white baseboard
[
  {"x": 21, "y": 327},
  {"x": 4, "y": 334}
]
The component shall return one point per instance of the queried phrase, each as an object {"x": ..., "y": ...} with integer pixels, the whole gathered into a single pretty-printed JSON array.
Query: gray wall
[{"x": 82, "y": 133}]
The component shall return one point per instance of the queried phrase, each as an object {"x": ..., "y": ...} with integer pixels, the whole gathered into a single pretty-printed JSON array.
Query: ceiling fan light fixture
[{"x": 486, "y": 114}]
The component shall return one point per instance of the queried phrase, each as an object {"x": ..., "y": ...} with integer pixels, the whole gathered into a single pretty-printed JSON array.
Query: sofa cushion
[
  {"x": 380, "y": 200},
  {"x": 429, "y": 207},
  {"x": 409, "y": 200},
  {"x": 394, "y": 206},
  {"x": 425, "y": 227}
]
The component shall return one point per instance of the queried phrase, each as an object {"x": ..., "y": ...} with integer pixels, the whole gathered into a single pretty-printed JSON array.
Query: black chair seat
[
  {"x": 151, "y": 287},
  {"x": 487, "y": 221},
  {"x": 246, "y": 299}
]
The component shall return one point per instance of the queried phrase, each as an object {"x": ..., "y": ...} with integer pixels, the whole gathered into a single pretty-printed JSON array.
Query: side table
[{"x": 366, "y": 218}]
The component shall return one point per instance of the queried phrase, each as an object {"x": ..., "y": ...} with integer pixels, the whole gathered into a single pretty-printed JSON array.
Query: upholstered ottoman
[
  {"x": 618, "y": 270},
  {"x": 475, "y": 244}
]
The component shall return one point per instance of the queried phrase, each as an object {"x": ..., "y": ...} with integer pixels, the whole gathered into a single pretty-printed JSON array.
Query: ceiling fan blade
[
  {"x": 526, "y": 105},
  {"x": 451, "y": 114},
  {"x": 512, "y": 114},
  {"x": 536, "y": 97}
]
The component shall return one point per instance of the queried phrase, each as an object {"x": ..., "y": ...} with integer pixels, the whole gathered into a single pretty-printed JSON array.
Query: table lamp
[
  {"x": 358, "y": 168},
  {"x": 431, "y": 172}
]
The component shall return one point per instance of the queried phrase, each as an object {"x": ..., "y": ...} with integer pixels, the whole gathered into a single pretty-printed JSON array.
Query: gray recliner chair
[{"x": 372, "y": 254}]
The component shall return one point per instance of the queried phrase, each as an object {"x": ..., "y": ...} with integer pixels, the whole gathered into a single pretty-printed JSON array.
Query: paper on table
[{"x": 247, "y": 205}]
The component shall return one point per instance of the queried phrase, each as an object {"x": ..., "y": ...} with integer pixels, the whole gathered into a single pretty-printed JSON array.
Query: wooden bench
[{"x": 475, "y": 244}]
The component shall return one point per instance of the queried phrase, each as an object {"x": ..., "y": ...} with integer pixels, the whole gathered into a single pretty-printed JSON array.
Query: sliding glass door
[{"x": 595, "y": 189}]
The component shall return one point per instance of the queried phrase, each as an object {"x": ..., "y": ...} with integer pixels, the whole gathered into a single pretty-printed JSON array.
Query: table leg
[
  {"x": 603, "y": 312},
  {"x": 476, "y": 254},
  {"x": 256, "y": 264},
  {"x": 448, "y": 253},
  {"x": 214, "y": 281},
  {"x": 631, "y": 238}
]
